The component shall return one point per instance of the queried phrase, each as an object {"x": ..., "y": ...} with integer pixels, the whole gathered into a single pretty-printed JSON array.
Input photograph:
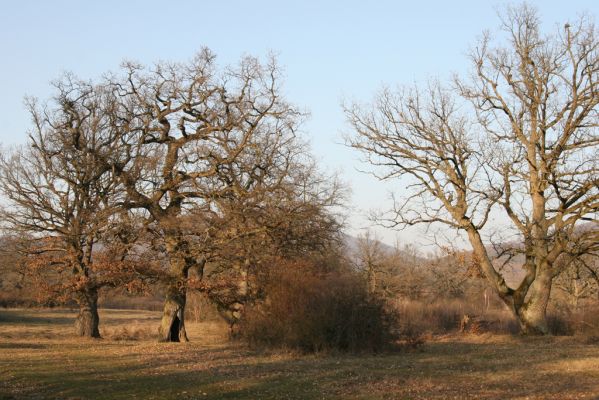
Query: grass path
[{"x": 39, "y": 360}]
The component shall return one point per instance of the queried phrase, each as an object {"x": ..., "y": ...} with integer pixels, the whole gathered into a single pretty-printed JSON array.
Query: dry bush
[
  {"x": 560, "y": 324},
  {"x": 312, "y": 312},
  {"x": 441, "y": 317},
  {"x": 586, "y": 321},
  {"x": 580, "y": 322},
  {"x": 445, "y": 316},
  {"x": 431, "y": 317}
]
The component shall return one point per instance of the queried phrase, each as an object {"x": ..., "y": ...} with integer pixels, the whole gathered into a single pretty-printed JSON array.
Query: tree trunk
[
  {"x": 532, "y": 314},
  {"x": 88, "y": 320},
  {"x": 371, "y": 278},
  {"x": 529, "y": 304},
  {"x": 172, "y": 326}
]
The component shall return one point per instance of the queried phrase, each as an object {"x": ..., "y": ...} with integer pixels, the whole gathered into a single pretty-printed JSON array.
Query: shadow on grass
[
  {"x": 441, "y": 370},
  {"x": 33, "y": 317},
  {"x": 22, "y": 346}
]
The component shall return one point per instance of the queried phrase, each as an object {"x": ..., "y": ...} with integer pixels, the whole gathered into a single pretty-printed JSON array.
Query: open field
[{"x": 39, "y": 359}]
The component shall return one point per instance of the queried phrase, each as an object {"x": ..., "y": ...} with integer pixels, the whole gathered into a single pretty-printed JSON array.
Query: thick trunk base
[
  {"x": 172, "y": 326},
  {"x": 532, "y": 315},
  {"x": 88, "y": 321},
  {"x": 533, "y": 322}
]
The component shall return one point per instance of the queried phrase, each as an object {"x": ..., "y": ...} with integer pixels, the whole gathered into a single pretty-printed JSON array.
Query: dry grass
[{"x": 39, "y": 359}]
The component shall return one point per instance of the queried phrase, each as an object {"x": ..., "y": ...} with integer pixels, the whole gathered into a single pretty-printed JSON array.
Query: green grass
[{"x": 39, "y": 359}]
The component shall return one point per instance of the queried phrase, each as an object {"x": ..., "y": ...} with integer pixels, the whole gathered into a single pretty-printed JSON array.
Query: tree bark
[
  {"x": 528, "y": 304},
  {"x": 88, "y": 320},
  {"x": 172, "y": 326},
  {"x": 532, "y": 315}
]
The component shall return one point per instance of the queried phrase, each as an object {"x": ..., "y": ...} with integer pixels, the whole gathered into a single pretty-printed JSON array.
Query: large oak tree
[
  {"x": 198, "y": 140},
  {"x": 519, "y": 135},
  {"x": 61, "y": 197}
]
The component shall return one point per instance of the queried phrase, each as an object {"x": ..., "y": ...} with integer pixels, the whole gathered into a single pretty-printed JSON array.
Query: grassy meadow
[{"x": 40, "y": 359}]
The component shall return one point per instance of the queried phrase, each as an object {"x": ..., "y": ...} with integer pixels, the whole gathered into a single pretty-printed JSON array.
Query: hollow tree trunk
[
  {"x": 88, "y": 320},
  {"x": 532, "y": 315},
  {"x": 172, "y": 326}
]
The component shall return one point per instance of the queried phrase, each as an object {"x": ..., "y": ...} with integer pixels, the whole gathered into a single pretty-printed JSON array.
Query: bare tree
[
  {"x": 579, "y": 280},
  {"x": 370, "y": 257},
  {"x": 519, "y": 136},
  {"x": 60, "y": 197},
  {"x": 193, "y": 137}
]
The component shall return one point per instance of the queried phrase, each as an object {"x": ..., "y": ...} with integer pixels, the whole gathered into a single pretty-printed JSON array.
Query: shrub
[
  {"x": 581, "y": 321},
  {"x": 314, "y": 312},
  {"x": 444, "y": 316},
  {"x": 560, "y": 324}
]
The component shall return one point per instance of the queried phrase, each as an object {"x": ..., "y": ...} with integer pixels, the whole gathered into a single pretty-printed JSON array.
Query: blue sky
[{"x": 330, "y": 51}]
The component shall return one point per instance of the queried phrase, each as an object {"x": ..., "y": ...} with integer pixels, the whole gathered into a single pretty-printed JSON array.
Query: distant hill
[
  {"x": 352, "y": 247},
  {"x": 351, "y": 244}
]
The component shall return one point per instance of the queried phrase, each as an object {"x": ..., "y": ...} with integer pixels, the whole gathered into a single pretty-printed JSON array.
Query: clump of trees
[
  {"x": 518, "y": 136},
  {"x": 164, "y": 173}
]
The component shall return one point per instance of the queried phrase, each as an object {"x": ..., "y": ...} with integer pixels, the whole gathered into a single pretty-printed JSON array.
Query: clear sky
[{"x": 331, "y": 50}]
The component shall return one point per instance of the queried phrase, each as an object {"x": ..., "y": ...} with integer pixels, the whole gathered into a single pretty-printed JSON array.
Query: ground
[{"x": 39, "y": 359}]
